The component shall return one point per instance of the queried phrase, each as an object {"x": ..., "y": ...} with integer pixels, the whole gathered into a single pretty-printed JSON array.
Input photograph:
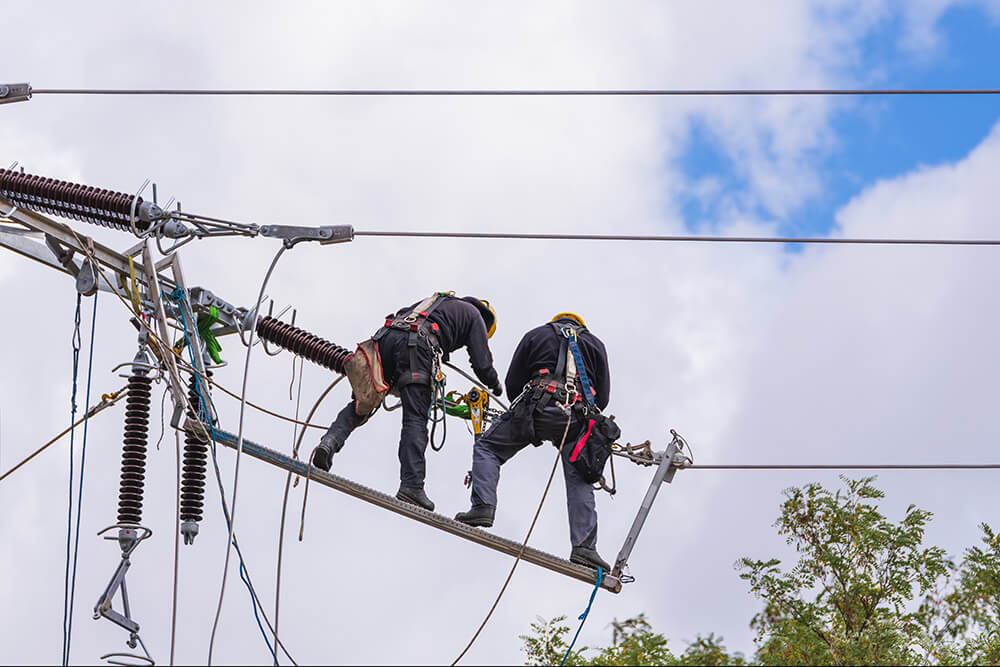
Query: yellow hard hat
[
  {"x": 486, "y": 310},
  {"x": 570, "y": 316}
]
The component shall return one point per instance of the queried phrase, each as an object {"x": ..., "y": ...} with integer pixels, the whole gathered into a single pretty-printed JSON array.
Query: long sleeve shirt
[
  {"x": 461, "y": 325},
  {"x": 540, "y": 347}
]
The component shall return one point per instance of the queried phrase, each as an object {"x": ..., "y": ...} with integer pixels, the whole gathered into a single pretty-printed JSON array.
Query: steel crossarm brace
[
  {"x": 159, "y": 314},
  {"x": 664, "y": 475},
  {"x": 16, "y": 241},
  {"x": 200, "y": 298},
  {"x": 379, "y": 499},
  {"x": 112, "y": 259}
]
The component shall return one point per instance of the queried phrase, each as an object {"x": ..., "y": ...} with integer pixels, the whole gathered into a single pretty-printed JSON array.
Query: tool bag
[
  {"x": 364, "y": 372},
  {"x": 592, "y": 450}
]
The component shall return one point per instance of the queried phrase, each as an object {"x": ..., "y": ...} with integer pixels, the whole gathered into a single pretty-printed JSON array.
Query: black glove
[{"x": 497, "y": 390}]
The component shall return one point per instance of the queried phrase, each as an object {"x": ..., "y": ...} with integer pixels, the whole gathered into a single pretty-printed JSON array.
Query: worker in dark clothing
[
  {"x": 404, "y": 358},
  {"x": 546, "y": 385}
]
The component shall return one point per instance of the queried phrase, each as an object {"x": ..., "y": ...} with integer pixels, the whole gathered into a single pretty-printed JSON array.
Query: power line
[
  {"x": 578, "y": 92},
  {"x": 675, "y": 238},
  {"x": 107, "y": 400}
]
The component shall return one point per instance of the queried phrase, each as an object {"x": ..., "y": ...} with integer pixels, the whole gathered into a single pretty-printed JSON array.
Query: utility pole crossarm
[
  {"x": 60, "y": 236},
  {"x": 477, "y": 535}
]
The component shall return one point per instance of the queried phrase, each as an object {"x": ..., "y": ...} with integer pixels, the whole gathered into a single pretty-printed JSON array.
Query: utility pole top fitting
[{"x": 15, "y": 92}]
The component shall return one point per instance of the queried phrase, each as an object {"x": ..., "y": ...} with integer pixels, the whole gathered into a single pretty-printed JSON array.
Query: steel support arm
[
  {"x": 664, "y": 474},
  {"x": 379, "y": 499}
]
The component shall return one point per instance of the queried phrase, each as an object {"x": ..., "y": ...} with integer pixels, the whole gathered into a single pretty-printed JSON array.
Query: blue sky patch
[{"x": 877, "y": 137}]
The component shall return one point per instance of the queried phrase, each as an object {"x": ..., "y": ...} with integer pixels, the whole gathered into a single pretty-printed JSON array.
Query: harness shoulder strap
[
  {"x": 565, "y": 363},
  {"x": 560, "y": 374},
  {"x": 415, "y": 319},
  {"x": 571, "y": 363}
]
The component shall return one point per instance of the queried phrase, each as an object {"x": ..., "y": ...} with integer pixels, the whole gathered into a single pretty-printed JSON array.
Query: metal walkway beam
[{"x": 477, "y": 535}]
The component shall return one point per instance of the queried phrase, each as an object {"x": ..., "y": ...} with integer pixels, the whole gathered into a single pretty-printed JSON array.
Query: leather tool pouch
[{"x": 364, "y": 372}]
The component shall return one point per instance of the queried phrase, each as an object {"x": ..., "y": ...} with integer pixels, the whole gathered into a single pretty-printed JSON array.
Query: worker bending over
[
  {"x": 546, "y": 378},
  {"x": 404, "y": 357}
]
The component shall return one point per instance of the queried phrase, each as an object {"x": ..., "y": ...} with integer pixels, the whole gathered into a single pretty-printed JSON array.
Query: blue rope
[
  {"x": 72, "y": 433},
  {"x": 256, "y": 615},
  {"x": 205, "y": 416},
  {"x": 583, "y": 616},
  {"x": 83, "y": 462}
]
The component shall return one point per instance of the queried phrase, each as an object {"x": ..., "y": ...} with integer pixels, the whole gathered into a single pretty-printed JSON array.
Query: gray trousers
[
  {"x": 416, "y": 398},
  {"x": 503, "y": 440}
]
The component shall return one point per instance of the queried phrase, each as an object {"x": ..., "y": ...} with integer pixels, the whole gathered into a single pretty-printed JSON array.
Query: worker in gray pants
[{"x": 543, "y": 412}]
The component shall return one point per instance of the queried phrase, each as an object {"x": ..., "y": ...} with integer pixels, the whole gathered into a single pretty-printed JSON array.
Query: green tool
[
  {"x": 456, "y": 409},
  {"x": 212, "y": 344}
]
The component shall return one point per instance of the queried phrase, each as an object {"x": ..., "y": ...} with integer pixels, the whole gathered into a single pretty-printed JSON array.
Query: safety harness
[
  {"x": 415, "y": 322},
  {"x": 569, "y": 381}
]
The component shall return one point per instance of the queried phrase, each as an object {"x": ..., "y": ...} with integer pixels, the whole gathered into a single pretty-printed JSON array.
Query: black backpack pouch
[
  {"x": 522, "y": 417},
  {"x": 592, "y": 450}
]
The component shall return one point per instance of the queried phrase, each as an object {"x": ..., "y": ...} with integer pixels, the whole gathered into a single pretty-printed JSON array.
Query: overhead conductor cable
[{"x": 522, "y": 92}]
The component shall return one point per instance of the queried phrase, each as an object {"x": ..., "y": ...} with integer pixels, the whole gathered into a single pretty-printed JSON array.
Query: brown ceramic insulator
[
  {"x": 70, "y": 200},
  {"x": 195, "y": 466},
  {"x": 133, "y": 477},
  {"x": 303, "y": 343}
]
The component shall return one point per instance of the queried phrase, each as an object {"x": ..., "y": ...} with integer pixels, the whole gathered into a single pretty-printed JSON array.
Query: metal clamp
[
  {"x": 15, "y": 92},
  {"x": 326, "y": 234}
]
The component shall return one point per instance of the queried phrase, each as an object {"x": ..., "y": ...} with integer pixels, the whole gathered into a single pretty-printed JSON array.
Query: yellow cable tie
[{"x": 134, "y": 292}]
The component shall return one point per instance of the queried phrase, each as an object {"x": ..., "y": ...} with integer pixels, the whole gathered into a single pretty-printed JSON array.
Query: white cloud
[
  {"x": 750, "y": 353},
  {"x": 922, "y": 37}
]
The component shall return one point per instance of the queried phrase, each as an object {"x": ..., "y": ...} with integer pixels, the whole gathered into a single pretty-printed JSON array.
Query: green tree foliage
[
  {"x": 633, "y": 642},
  {"x": 863, "y": 590},
  {"x": 845, "y": 601},
  {"x": 963, "y": 621}
]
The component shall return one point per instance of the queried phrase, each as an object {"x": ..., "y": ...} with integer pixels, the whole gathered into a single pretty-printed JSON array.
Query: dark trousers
[
  {"x": 416, "y": 398},
  {"x": 505, "y": 439}
]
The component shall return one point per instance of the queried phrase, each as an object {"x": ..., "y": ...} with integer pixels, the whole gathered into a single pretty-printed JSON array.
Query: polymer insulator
[
  {"x": 303, "y": 343},
  {"x": 195, "y": 465},
  {"x": 133, "y": 476},
  {"x": 71, "y": 200}
]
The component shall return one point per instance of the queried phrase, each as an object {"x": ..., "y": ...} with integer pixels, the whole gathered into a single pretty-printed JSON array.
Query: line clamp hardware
[
  {"x": 15, "y": 92},
  {"x": 325, "y": 234}
]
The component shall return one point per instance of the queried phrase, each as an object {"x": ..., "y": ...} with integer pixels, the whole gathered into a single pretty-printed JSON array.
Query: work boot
[
  {"x": 415, "y": 496},
  {"x": 322, "y": 457},
  {"x": 588, "y": 558},
  {"x": 479, "y": 515}
]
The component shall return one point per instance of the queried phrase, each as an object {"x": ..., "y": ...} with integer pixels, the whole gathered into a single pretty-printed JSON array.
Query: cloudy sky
[{"x": 756, "y": 354}]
